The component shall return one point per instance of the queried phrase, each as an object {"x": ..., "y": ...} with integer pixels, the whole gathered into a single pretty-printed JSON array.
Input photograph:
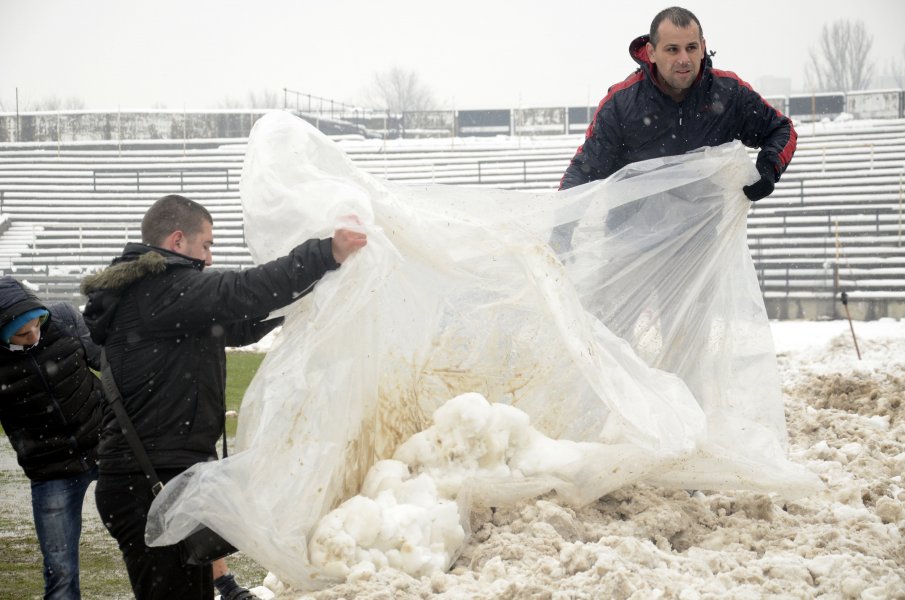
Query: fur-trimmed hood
[{"x": 137, "y": 262}]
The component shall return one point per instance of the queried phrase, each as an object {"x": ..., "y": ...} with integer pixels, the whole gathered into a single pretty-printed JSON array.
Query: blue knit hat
[{"x": 14, "y": 325}]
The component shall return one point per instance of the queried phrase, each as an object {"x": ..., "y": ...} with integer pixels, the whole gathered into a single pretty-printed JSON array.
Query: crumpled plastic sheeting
[{"x": 645, "y": 333}]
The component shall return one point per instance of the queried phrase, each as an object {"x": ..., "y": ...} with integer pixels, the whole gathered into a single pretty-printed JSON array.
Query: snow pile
[
  {"x": 407, "y": 517},
  {"x": 398, "y": 521},
  {"x": 846, "y": 422},
  {"x": 474, "y": 441}
]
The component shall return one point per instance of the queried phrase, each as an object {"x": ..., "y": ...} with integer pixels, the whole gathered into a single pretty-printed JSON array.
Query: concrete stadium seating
[{"x": 834, "y": 223}]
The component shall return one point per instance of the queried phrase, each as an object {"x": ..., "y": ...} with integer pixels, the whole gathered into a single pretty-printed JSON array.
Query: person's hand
[
  {"x": 346, "y": 242},
  {"x": 761, "y": 188}
]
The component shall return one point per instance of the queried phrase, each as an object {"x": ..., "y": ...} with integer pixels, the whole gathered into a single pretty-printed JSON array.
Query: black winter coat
[
  {"x": 50, "y": 401},
  {"x": 638, "y": 121},
  {"x": 165, "y": 324}
]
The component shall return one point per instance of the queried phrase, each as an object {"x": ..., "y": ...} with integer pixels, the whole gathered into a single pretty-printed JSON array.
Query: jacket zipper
[{"x": 682, "y": 138}]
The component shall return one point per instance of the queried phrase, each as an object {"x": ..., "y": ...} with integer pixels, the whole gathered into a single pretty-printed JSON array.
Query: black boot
[{"x": 230, "y": 590}]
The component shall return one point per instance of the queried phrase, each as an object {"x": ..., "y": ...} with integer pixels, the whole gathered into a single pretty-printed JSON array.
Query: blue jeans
[{"x": 57, "y": 508}]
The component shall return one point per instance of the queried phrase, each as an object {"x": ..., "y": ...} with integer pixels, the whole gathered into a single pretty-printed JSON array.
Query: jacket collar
[
  {"x": 136, "y": 262},
  {"x": 133, "y": 251}
]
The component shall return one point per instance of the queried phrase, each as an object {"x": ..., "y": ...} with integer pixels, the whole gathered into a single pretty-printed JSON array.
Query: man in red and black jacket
[{"x": 676, "y": 102}]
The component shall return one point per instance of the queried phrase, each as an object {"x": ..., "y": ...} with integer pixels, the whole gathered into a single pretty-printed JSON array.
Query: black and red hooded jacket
[{"x": 638, "y": 121}]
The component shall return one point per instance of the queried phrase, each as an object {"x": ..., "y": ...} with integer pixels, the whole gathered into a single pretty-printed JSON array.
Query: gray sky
[{"x": 472, "y": 53}]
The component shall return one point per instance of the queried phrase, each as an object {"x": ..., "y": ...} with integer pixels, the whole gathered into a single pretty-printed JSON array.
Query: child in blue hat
[
  {"x": 24, "y": 330},
  {"x": 50, "y": 409}
]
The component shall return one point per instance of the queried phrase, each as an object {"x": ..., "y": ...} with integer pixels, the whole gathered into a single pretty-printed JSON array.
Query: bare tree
[
  {"x": 897, "y": 69},
  {"x": 51, "y": 103},
  {"x": 841, "y": 63},
  {"x": 263, "y": 99},
  {"x": 47, "y": 103},
  {"x": 74, "y": 103},
  {"x": 7, "y": 105},
  {"x": 231, "y": 102},
  {"x": 400, "y": 90}
]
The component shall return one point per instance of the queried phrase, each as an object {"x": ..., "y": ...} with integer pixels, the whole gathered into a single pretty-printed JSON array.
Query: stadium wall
[
  {"x": 76, "y": 126},
  {"x": 73, "y": 126},
  {"x": 83, "y": 126}
]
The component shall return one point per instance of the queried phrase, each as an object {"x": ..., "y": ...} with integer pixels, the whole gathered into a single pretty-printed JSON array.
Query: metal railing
[
  {"x": 830, "y": 253},
  {"x": 502, "y": 162},
  {"x": 313, "y": 104},
  {"x": 153, "y": 175}
]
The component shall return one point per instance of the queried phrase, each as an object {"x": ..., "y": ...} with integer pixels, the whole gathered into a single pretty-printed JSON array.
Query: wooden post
[{"x": 850, "y": 326}]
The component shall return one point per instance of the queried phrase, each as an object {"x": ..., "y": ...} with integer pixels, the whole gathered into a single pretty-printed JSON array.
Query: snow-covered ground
[{"x": 845, "y": 420}]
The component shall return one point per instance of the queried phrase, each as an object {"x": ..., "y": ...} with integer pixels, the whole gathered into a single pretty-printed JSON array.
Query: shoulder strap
[{"x": 115, "y": 400}]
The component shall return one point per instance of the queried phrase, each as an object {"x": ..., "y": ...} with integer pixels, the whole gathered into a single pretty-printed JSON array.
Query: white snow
[{"x": 845, "y": 419}]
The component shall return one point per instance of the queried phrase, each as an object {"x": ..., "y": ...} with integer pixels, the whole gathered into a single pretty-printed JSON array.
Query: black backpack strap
[{"x": 115, "y": 400}]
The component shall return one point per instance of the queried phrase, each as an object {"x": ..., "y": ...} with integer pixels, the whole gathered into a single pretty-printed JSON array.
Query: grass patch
[
  {"x": 240, "y": 368},
  {"x": 103, "y": 574}
]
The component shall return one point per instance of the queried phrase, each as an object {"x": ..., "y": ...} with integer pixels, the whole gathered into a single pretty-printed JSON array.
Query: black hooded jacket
[
  {"x": 638, "y": 121},
  {"x": 165, "y": 324},
  {"x": 50, "y": 401}
]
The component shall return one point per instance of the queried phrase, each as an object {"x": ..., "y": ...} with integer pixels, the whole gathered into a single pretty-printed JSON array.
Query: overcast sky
[{"x": 472, "y": 53}]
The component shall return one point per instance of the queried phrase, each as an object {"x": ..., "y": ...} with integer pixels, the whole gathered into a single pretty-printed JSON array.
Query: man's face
[
  {"x": 678, "y": 57},
  {"x": 199, "y": 245},
  {"x": 28, "y": 334}
]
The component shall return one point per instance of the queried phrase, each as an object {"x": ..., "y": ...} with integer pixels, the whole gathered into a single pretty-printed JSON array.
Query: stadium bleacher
[
  {"x": 835, "y": 221},
  {"x": 835, "y": 224}
]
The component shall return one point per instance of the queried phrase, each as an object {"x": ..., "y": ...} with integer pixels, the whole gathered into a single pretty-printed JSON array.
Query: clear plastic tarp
[{"x": 624, "y": 314}]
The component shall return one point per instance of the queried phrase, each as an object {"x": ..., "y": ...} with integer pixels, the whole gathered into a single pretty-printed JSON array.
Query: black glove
[{"x": 763, "y": 187}]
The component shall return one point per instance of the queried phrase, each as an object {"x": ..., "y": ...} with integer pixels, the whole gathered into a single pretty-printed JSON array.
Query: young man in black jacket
[
  {"x": 676, "y": 102},
  {"x": 50, "y": 408},
  {"x": 165, "y": 323}
]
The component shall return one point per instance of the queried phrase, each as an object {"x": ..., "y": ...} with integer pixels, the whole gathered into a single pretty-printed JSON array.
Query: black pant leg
[{"x": 156, "y": 573}]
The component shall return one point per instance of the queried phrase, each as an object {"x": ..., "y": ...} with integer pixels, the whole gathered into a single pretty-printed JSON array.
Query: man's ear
[{"x": 174, "y": 241}]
